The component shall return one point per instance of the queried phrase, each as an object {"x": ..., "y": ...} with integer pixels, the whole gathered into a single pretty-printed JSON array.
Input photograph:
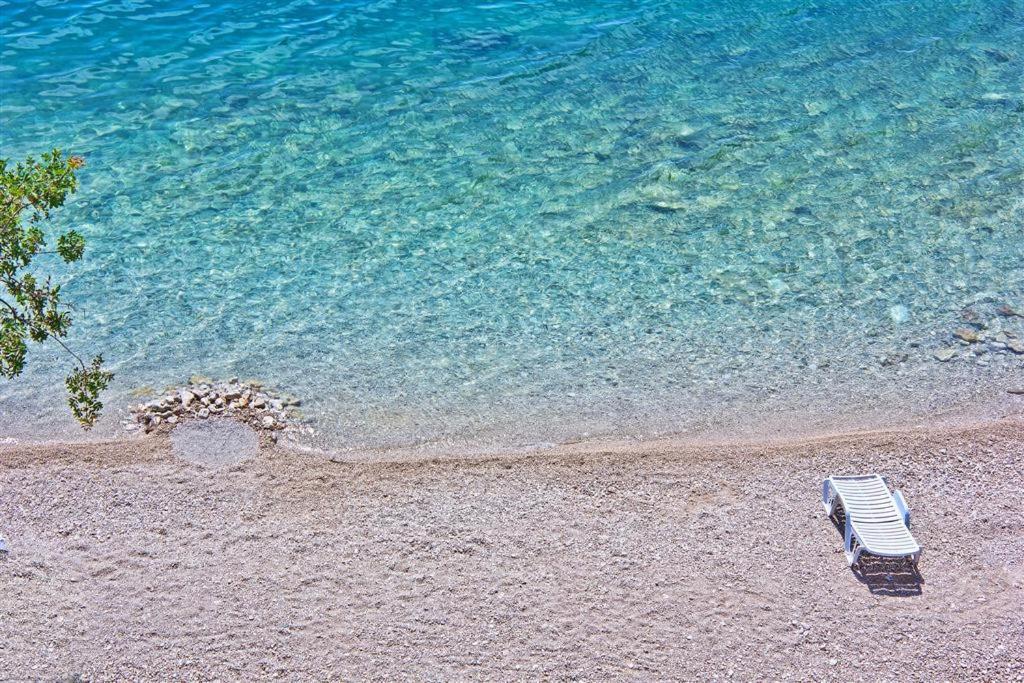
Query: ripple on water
[{"x": 523, "y": 222}]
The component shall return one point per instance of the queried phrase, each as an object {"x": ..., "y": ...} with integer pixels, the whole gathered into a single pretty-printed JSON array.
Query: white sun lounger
[{"x": 877, "y": 522}]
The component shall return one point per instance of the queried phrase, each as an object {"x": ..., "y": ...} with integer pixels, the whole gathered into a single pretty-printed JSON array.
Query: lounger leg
[{"x": 848, "y": 543}]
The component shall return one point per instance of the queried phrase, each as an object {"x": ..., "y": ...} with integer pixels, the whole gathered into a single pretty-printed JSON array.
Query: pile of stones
[
  {"x": 980, "y": 334},
  {"x": 203, "y": 398}
]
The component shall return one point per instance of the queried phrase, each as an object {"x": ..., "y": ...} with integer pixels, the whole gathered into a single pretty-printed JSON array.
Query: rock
[
  {"x": 945, "y": 355},
  {"x": 1015, "y": 345},
  {"x": 816, "y": 107},
  {"x": 894, "y": 358},
  {"x": 259, "y": 402},
  {"x": 186, "y": 398},
  {"x": 1018, "y": 391},
  {"x": 1009, "y": 311},
  {"x": 969, "y": 336},
  {"x": 204, "y": 413},
  {"x": 899, "y": 314},
  {"x": 173, "y": 419},
  {"x": 4, "y": 550},
  {"x": 969, "y": 315},
  {"x": 267, "y": 422}
]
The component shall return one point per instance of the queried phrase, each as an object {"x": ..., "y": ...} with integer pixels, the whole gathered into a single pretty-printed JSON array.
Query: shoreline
[
  {"x": 880, "y": 397},
  {"x": 771, "y": 429}
]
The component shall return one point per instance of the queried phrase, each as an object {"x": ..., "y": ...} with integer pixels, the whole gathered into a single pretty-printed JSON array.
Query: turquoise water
[{"x": 514, "y": 222}]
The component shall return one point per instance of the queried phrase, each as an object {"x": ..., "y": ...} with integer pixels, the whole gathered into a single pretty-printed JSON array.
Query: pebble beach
[{"x": 611, "y": 562}]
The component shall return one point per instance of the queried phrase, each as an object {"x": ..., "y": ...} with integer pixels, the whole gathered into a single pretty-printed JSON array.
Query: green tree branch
[{"x": 28, "y": 193}]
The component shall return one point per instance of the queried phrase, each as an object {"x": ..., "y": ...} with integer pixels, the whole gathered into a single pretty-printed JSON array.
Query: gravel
[{"x": 649, "y": 562}]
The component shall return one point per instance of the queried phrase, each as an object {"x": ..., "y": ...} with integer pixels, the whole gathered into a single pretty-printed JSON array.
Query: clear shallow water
[{"x": 528, "y": 221}]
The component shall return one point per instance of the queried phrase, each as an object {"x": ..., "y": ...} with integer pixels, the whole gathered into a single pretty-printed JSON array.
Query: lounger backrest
[{"x": 866, "y": 499}]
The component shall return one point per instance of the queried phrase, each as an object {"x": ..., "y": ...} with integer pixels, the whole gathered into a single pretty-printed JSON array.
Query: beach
[
  {"x": 509, "y": 341},
  {"x": 653, "y": 561}
]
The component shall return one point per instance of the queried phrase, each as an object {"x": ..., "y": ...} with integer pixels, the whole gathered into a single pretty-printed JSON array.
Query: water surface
[{"x": 515, "y": 222}]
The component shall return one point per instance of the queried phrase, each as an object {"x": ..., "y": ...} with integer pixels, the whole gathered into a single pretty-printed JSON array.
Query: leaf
[
  {"x": 84, "y": 386},
  {"x": 12, "y": 348},
  {"x": 70, "y": 246}
]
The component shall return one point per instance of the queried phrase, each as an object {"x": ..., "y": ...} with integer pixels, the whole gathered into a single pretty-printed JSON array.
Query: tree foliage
[{"x": 31, "y": 309}]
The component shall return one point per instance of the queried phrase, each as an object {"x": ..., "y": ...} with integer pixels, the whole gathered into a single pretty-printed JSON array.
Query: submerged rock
[
  {"x": 967, "y": 335},
  {"x": 899, "y": 314},
  {"x": 945, "y": 355},
  {"x": 894, "y": 358}
]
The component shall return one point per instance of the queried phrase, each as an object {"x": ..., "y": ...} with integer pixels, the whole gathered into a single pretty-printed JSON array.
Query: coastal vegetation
[{"x": 31, "y": 305}]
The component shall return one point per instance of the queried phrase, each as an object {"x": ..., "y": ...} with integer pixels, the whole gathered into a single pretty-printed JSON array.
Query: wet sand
[{"x": 659, "y": 561}]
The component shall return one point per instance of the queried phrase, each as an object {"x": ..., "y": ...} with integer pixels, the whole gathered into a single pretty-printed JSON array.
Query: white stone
[{"x": 899, "y": 314}]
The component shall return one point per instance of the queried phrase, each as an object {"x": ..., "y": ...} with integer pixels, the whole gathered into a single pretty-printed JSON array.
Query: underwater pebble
[
  {"x": 945, "y": 355},
  {"x": 894, "y": 358},
  {"x": 899, "y": 314},
  {"x": 969, "y": 336}
]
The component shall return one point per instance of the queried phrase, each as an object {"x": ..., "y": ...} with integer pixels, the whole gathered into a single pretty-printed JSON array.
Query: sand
[{"x": 648, "y": 562}]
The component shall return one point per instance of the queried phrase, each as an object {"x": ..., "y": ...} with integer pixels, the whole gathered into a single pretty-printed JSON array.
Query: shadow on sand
[{"x": 897, "y": 578}]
